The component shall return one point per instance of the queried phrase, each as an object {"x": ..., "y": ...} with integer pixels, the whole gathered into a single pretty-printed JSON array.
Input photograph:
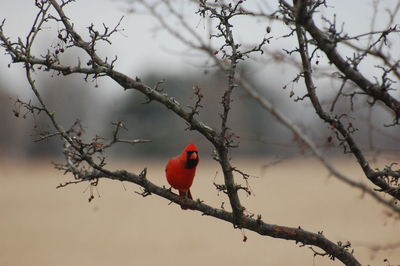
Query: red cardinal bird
[{"x": 180, "y": 171}]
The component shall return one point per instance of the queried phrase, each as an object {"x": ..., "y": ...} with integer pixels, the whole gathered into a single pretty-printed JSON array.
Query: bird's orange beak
[{"x": 193, "y": 156}]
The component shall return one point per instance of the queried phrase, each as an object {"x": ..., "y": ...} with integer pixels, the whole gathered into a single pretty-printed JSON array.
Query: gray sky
[
  {"x": 141, "y": 50},
  {"x": 137, "y": 40},
  {"x": 144, "y": 48}
]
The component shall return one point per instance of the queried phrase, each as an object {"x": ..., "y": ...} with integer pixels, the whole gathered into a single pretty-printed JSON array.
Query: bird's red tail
[{"x": 185, "y": 194}]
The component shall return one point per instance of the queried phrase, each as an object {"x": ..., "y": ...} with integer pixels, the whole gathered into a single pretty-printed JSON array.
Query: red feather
[{"x": 180, "y": 170}]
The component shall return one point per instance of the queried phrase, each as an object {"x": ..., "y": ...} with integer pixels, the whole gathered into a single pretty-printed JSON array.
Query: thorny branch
[
  {"x": 86, "y": 160},
  {"x": 243, "y": 83},
  {"x": 224, "y": 140},
  {"x": 343, "y": 132},
  {"x": 303, "y": 17}
]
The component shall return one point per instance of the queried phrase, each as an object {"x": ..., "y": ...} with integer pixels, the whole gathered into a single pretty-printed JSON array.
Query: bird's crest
[{"x": 192, "y": 147}]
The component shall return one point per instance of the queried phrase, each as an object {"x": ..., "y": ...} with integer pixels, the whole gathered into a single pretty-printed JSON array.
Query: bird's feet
[{"x": 184, "y": 202}]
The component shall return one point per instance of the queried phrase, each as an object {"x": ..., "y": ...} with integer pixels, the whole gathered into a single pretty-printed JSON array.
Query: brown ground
[{"x": 42, "y": 225}]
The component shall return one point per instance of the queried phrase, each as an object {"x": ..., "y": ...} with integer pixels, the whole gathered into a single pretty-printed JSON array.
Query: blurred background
[
  {"x": 154, "y": 56},
  {"x": 45, "y": 226}
]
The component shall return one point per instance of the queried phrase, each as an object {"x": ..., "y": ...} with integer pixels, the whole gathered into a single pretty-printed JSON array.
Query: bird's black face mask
[{"x": 192, "y": 159}]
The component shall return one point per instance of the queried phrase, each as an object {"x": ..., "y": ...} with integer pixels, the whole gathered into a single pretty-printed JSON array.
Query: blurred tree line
[
  {"x": 248, "y": 121},
  {"x": 251, "y": 125},
  {"x": 256, "y": 131}
]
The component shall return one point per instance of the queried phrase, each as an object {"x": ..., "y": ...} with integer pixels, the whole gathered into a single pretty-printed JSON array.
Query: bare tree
[{"x": 86, "y": 159}]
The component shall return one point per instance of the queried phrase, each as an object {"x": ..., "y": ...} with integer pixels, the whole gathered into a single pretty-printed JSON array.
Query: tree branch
[
  {"x": 267, "y": 105},
  {"x": 304, "y": 19}
]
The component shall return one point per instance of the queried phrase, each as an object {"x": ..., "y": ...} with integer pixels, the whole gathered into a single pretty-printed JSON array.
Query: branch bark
[
  {"x": 304, "y": 18},
  {"x": 273, "y": 110},
  {"x": 298, "y": 235},
  {"x": 374, "y": 176}
]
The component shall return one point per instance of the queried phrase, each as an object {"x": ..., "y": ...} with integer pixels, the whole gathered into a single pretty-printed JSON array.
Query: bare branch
[{"x": 304, "y": 19}]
